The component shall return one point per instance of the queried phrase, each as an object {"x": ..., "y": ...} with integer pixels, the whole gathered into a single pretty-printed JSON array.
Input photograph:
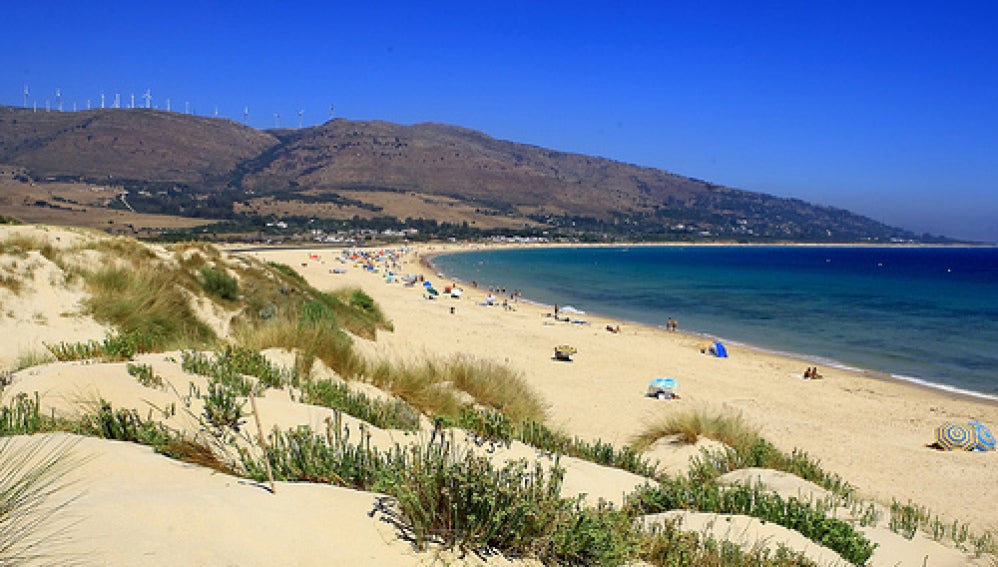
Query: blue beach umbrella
[
  {"x": 984, "y": 440},
  {"x": 662, "y": 388},
  {"x": 951, "y": 436},
  {"x": 664, "y": 383}
]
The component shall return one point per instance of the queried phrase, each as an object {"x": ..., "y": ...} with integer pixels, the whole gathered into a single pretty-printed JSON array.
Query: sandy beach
[{"x": 872, "y": 432}]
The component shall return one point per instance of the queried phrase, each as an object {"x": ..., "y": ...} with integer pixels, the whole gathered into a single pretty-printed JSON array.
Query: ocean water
[{"x": 923, "y": 314}]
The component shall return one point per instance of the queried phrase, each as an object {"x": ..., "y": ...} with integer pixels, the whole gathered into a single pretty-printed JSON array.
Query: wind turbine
[
  {"x": 117, "y": 100},
  {"x": 301, "y": 115},
  {"x": 58, "y": 99},
  {"x": 216, "y": 111},
  {"x": 132, "y": 105},
  {"x": 25, "y": 96},
  {"x": 277, "y": 120},
  {"x": 330, "y": 112},
  {"x": 168, "y": 105},
  {"x": 187, "y": 107},
  {"x": 148, "y": 97},
  {"x": 245, "y": 115},
  {"x": 102, "y": 99}
]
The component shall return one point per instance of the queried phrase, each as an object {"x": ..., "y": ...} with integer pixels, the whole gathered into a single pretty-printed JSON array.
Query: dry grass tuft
[{"x": 730, "y": 429}]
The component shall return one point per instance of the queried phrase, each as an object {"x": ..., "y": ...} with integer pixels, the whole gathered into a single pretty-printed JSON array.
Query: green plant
[
  {"x": 145, "y": 375},
  {"x": 21, "y": 417},
  {"x": 146, "y": 301},
  {"x": 288, "y": 272},
  {"x": 114, "y": 347},
  {"x": 32, "y": 358},
  {"x": 216, "y": 282},
  {"x": 222, "y": 409},
  {"x": 810, "y": 519},
  {"x": 123, "y": 425},
  {"x": 395, "y": 414}
]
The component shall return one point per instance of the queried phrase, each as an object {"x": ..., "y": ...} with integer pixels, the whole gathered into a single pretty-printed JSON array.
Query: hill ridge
[{"x": 366, "y": 170}]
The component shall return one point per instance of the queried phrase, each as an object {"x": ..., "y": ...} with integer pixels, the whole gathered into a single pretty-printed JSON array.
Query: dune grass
[
  {"x": 35, "y": 493},
  {"x": 728, "y": 428},
  {"x": 146, "y": 300},
  {"x": 19, "y": 245},
  {"x": 442, "y": 388},
  {"x": 745, "y": 447},
  {"x": 30, "y": 358}
]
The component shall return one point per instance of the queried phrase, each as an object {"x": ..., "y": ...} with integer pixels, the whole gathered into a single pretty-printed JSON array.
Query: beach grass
[
  {"x": 36, "y": 494},
  {"x": 688, "y": 426},
  {"x": 146, "y": 300},
  {"x": 744, "y": 447}
]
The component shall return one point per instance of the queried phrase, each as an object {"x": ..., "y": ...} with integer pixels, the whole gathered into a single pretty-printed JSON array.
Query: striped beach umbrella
[
  {"x": 984, "y": 440},
  {"x": 951, "y": 436}
]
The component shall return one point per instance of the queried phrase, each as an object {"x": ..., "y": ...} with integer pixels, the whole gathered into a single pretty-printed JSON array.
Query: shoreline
[{"x": 915, "y": 382}]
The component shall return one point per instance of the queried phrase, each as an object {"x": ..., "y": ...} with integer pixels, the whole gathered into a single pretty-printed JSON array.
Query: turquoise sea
[{"x": 928, "y": 315}]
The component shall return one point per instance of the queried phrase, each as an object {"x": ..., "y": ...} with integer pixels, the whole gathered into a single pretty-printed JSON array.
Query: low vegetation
[{"x": 745, "y": 447}]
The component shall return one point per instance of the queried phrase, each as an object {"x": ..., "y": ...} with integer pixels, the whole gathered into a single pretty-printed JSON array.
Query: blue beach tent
[{"x": 718, "y": 350}]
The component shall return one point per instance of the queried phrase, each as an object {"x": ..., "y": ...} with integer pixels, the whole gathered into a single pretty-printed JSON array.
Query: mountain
[
  {"x": 363, "y": 171},
  {"x": 127, "y": 145}
]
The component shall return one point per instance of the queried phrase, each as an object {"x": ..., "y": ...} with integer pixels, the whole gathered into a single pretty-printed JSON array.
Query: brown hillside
[
  {"x": 353, "y": 171},
  {"x": 448, "y": 160},
  {"x": 137, "y": 144}
]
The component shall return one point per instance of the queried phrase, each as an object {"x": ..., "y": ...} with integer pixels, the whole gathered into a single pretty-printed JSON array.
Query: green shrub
[
  {"x": 395, "y": 414},
  {"x": 123, "y": 425},
  {"x": 222, "y": 409},
  {"x": 21, "y": 417},
  {"x": 145, "y": 375},
  {"x": 216, "y": 282},
  {"x": 811, "y": 521}
]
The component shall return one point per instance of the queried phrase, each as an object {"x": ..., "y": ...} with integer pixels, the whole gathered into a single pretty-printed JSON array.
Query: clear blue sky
[{"x": 889, "y": 109}]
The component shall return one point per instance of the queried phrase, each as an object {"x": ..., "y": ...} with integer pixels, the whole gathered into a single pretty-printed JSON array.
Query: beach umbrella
[
  {"x": 664, "y": 383},
  {"x": 427, "y": 284},
  {"x": 432, "y": 291},
  {"x": 564, "y": 352},
  {"x": 984, "y": 440},
  {"x": 951, "y": 436},
  {"x": 662, "y": 388}
]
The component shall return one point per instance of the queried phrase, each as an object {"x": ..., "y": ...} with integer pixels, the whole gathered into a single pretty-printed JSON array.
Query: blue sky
[{"x": 889, "y": 109}]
